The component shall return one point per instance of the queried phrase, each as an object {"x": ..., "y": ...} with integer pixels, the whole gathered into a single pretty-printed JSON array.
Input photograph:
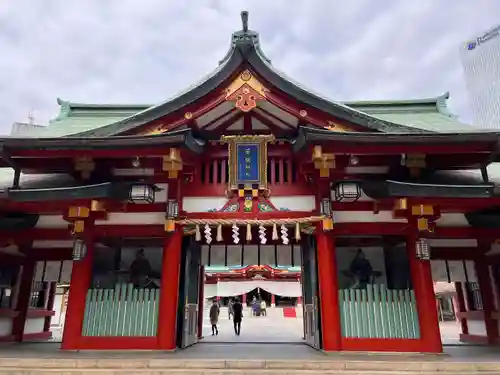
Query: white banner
[{"x": 237, "y": 288}]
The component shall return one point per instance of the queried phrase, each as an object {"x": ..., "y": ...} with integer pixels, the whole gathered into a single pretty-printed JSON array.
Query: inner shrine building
[{"x": 370, "y": 202}]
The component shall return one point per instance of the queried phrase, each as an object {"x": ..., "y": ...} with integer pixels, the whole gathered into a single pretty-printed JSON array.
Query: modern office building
[{"x": 481, "y": 61}]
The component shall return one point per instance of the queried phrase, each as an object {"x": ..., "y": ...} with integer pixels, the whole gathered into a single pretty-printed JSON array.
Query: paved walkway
[{"x": 273, "y": 328}]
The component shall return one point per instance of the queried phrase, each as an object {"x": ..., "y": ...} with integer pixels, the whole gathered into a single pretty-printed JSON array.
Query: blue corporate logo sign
[{"x": 471, "y": 45}]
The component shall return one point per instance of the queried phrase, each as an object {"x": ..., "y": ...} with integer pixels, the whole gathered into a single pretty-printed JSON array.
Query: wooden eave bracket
[
  {"x": 172, "y": 163},
  {"x": 426, "y": 214},
  {"x": 85, "y": 165},
  {"x": 322, "y": 161},
  {"x": 415, "y": 163},
  {"x": 77, "y": 216}
]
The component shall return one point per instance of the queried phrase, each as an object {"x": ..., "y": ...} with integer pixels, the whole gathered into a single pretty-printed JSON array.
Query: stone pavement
[{"x": 273, "y": 328}]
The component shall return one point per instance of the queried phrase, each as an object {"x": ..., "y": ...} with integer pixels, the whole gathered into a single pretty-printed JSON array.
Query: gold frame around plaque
[{"x": 233, "y": 141}]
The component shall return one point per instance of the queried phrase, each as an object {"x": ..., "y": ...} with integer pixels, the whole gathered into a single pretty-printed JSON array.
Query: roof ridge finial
[{"x": 244, "y": 20}]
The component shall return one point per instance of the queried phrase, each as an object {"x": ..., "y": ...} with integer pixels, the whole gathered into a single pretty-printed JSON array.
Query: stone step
[
  {"x": 117, "y": 371},
  {"x": 171, "y": 366}
]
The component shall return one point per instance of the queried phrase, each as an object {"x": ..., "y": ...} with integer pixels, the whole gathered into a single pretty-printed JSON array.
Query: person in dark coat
[
  {"x": 237, "y": 316},
  {"x": 140, "y": 269},
  {"x": 361, "y": 269},
  {"x": 214, "y": 317}
]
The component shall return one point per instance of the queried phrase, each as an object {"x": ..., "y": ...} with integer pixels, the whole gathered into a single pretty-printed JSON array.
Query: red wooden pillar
[
  {"x": 273, "y": 300},
  {"x": 426, "y": 300},
  {"x": 81, "y": 277},
  {"x": 461, "y": 307},
  {"x": 244, "y": 300},
  {"x": 169, "y": 292},
  {"x": 201, "y": 301},
  {"x": 23, "y": 298},
  {"x": 50, "y": 305},
  {"x": 328, "y": 290},
  {"x": 484, "y": 279}
]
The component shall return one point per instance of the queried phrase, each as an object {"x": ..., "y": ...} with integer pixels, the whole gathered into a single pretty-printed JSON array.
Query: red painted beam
[
  {"x": 275, "y": 129},
  {"x": 218, "y": 118},
  {"x": 270, "y": 115},
  {"x": 311, "y": 115},
  {"x": 353, "y": 229},
  {"x": 196, "y": 109},
  {"x": 342, "y": 147},
  {"x": 96, "y": 153},
  {"x": 227, "y": 123},
  {"x": 258, "y": 216}
]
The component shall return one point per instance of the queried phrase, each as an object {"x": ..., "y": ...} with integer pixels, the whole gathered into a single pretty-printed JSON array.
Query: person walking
[
  {"x": 237, "y": 316},
  {"x": 263, "y": 307},
  {"x": 230, "y": 308},
  {"x": 214, "y": 317}
]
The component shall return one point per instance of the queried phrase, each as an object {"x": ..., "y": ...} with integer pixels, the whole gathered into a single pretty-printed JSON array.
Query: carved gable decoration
[
  {"x": 339, "y": 128},
  {"x": 245, "y": 91}
]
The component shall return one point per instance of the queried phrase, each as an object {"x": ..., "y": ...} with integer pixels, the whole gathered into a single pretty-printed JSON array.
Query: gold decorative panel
[{"x": 245, "y": 91}]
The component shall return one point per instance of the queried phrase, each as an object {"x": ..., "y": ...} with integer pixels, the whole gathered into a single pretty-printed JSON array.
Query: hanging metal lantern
[
  {"x": 326, "y": 207},
  {"x": 347, "y": 191},
  {"x": 79, "y": 249},
  {"x": 422, "y": 249},
  {"x": 172, "y": 208},
  {"x": 142, "y": 193}
]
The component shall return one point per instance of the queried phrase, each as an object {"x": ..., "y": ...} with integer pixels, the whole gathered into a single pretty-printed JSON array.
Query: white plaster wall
[
  {"x": 365, "y": 217},
  {"x": 5, "y": 326},
  {"x": 203, "y": 204},
  {"x": 294, "y": 203},
  {"x": 57, "y": 319},
  {"x": 476, "y": 327},
  {"x": 51, "y": 221},
  {"x": 34, "y": 325},
  {"x": 375, "y": 255},
  {"x": 452, "y": 220},
  {"x": 456, "y": 271},
  {"x": 161, "y": 196}
]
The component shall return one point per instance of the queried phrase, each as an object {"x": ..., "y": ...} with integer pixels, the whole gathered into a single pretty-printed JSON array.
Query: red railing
[{"x": 280, "y": 171}]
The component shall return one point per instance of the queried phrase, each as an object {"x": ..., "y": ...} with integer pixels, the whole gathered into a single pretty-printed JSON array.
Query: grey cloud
[{"x": 145, "y": 51}]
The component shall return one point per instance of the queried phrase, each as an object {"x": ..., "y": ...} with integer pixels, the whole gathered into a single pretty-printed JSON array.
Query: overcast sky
[{"x": 144, "y": 51}]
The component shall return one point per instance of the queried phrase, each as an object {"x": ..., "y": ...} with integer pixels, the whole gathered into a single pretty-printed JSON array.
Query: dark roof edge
[
  {"x": 108, "y": 190},
  {"x": 308, "y": 134},
  {"x": 389, "y": 188},
  {"x": 182, "y": 137}
]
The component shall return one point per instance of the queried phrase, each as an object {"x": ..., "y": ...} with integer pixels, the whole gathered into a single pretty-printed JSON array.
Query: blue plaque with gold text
[{"x": 248, "y": 163}]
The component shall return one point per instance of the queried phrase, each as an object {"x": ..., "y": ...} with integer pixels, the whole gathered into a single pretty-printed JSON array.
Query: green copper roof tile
[{"x": 427, "y": 114}]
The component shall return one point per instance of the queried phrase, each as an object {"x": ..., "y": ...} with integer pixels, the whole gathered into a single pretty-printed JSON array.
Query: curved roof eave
[{"x": 336, "y": 109}]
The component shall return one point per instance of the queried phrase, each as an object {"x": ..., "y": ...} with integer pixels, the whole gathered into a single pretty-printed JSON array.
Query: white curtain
[
  {"x": 210, "y": 290},
  {"x": 237, "y": 288}
]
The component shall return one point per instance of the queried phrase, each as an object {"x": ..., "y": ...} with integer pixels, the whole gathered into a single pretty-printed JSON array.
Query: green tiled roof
[{"x": 422, "y": 114}]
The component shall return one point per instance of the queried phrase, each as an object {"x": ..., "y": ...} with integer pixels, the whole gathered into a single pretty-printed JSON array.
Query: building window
[
  {"x": 38, "y": 298},
  {"x": 476, "y": 299}
]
